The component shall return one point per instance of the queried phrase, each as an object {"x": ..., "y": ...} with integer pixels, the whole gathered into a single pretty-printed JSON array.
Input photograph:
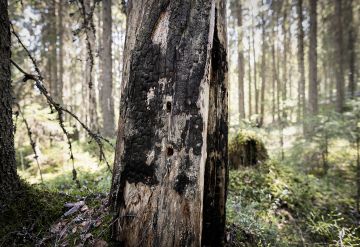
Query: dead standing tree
[{"x": 170, "y": 171}]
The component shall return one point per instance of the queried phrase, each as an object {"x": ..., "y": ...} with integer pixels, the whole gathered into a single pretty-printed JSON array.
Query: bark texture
[
  {"x": 106, "y": 84},
  {"x": 313, "y": 83},
  {"x": 172, "y": 138},
  {"x": 9, "y": 181}
]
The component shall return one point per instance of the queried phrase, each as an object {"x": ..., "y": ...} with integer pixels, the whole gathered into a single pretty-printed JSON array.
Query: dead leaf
[{"x": 75, "y": 208}]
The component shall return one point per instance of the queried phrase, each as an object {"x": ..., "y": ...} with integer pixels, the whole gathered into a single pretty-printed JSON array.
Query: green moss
[
  {"x": 246, "y": 149},
  {"x": 26, "y": 218}
]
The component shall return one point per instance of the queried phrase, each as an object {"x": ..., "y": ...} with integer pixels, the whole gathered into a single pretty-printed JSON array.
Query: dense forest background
[{"x": 294, "y": 109}]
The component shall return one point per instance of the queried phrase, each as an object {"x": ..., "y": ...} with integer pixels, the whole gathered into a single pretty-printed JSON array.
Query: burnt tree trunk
[
  {"x": 9, "y": 181},
  {"x": 106, "y": 84},
  {"x": 170, "y": 171}
]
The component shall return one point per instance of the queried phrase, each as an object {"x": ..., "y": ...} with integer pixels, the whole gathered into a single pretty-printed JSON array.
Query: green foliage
[{"x": 279, "y": 205}]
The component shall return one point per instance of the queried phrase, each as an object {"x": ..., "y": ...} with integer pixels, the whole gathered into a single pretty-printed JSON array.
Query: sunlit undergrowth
[
  {"x": 293, "y": 202},
  {"x": 39, "y": 215}
]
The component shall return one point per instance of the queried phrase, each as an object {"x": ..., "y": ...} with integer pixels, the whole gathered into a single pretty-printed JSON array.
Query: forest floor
[{"x": 289, "y": 202}]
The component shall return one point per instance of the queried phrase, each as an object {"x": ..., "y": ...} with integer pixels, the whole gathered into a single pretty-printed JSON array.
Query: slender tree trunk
[
  {"x": 278, "y": 81},
  {"x": 358, "y": 170},
  {"x": 313, "y": 83},
  {"x": 274, "y": 76},
  {"x": 241, "y": 70},
  {"x": 263, "y": 72},
  {"x": 285, "y": 64},
  {"x": 90, "y": 64},
  {"x": 301, "y": 67},
  {"x": 60, "y": 84},
  {"x": 9, "y": 181},
  {"x": 106, "y": 94},
  {"x": 339, "y": 69},
  {"x": 254, "y": 64},
  {"x": 51, "y": 37},
  {"x": 352, "y": 51},
  {"x": 250, "y": 80},
  {"x": 170, "y": 175},
  {"x": 53, "y": 50}
]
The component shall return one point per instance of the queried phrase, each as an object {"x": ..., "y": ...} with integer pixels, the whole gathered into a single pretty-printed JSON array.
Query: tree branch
[{"x": 38, "y": 79}]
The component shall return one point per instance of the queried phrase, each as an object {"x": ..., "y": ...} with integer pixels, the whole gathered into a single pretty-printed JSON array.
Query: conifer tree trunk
[
  {"x": 339, "y": 69},
  {"x": 90, "y": 64},
  {"x": 241, "y": 69},
  {"x": 284, "y": 63},
  {"x": 273, "y": 73},
  {"x": 263, "y": 71},
  {"x": 313, "y": 83},
  {"x": 170, "y": 171},
  {"x": 249, "y": 75},
  {"x": 301, "y": 67},
  {"x": 106, "y": 84},
  {"x": 50, "y": 37},
  {"x": 60, "y": 83},
  {"x": 53, "y": 50},
  {"x": 352, "y": 33},
  {"x": 9, "y": 181},
  {"x": 256, "y": 90}
]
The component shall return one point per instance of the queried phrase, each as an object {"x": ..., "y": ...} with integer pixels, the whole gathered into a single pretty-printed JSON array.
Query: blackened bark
[
  {"x": 106, "y": 84},
  {"x": 313, "y": 83},
  {"x": 172, "y": 137},
  {"x": 216, "y": 171},
  {"x": 9, "y": 181}
]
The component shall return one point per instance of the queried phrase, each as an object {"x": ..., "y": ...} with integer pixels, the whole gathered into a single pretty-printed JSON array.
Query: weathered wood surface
[{"x": 172, "y": 139}]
